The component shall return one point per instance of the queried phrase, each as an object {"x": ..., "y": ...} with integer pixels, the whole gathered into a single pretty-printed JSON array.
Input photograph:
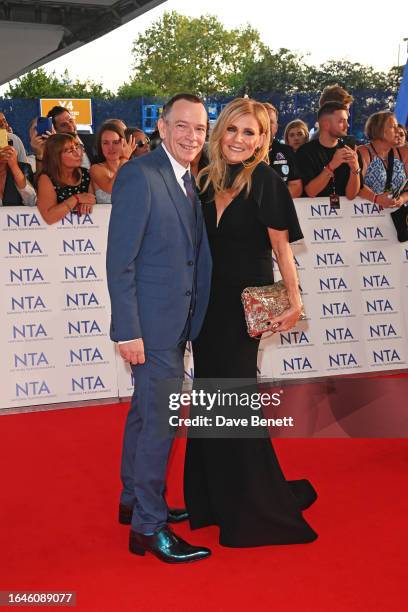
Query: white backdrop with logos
[{"x": 54, "y": 335}]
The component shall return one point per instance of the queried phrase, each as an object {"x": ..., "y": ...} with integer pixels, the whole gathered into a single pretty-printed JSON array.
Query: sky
[{"x": 356, "y": 30}]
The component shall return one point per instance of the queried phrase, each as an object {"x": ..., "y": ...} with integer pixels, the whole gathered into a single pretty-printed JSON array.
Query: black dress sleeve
[{"x": 275, "y": 205}]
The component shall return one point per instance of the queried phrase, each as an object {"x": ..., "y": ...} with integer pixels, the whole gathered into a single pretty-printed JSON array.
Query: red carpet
[{"x": 58, "y": 502}]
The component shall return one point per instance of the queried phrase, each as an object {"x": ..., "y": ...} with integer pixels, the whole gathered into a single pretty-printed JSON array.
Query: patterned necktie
[{"x": 190, "y": 189}]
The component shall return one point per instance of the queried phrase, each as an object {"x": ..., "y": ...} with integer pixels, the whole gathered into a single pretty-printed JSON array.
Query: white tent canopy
[{"x": 33, "y": 33}]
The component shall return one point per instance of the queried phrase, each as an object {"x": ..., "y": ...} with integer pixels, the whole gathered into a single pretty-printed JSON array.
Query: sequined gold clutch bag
[{"x": 261, "y": 304}]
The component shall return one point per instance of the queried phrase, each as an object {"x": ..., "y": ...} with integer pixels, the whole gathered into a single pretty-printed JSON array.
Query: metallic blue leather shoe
[{"x": 166, "y": 546}]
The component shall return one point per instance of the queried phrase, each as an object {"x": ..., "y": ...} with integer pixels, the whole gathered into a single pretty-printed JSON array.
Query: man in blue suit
[{"x": 159, "y": 270}]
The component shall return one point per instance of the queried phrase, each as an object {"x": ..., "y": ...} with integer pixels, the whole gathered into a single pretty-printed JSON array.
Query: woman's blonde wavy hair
[{"x": 216, "y": 173}]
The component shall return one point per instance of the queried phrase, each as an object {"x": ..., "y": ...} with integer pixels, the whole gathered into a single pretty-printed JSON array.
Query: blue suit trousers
[{"x": 147, "y": 439}]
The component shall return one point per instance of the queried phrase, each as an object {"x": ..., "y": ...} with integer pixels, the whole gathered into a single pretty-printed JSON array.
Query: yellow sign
[{"x": 80, "y": 109}]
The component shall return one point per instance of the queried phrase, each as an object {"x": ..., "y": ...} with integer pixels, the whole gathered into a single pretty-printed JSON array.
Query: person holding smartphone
[
  {"x": 329, "y": 166},
  {"x": 138, "y": 139},
  {"x": 15, "y": 177},
  {"x": 63, "y": 185},
  {"x": 39, "y": 130},
  {"x": 14, "y": 140}
]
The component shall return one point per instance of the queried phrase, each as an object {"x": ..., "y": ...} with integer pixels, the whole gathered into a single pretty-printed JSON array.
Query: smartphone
[
  {"x": 348, "y": 141},
  {"x": 44, "y": 124},
  {"x": 3, "y": 138}
]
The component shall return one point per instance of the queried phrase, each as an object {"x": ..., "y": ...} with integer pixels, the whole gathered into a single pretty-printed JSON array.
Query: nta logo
[
  {"x": 29, "y": 330},
  {"x": 339, "y": 334},
  {"x": 329, "y": 259},
  {"x": 23, "y": 220},
  {"x": 82, "y": 299},
  {"x": 80, "y": 273},
  {"x": 296, "y": 364},
  {"x": 85, "y": 355},
  {"x": 87, "y": 383},
  {"x": 30, "y": 360},
  {"x": 342, "y": 359},
  {"x": 83, "y": 327},
  {"x": 28, "y": 302},
  {"x": 78, "y": 245},
  {"x": 326, "y": 234},
  {"x": 34, "y": 387},
  {"x": 26, "y": 275},
  {"x": 24, "y": 247}
]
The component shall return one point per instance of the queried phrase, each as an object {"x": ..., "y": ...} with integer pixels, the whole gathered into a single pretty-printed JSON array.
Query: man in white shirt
[{"x": 159, "y": 273}]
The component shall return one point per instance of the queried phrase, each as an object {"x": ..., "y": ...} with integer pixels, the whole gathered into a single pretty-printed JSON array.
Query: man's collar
[
  {"x": 179, "y": 170},
  {"x": 331, "y": 145}
]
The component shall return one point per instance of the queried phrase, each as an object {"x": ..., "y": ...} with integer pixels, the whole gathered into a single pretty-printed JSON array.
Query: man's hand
[
  {"x": 133, "y": 351},
  {"x": 345, "y": 155},
  {"x": 352, "y": 159}
]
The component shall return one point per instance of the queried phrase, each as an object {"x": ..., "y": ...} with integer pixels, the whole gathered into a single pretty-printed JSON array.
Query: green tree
[
  {"x": 394, "y": 78},
  {"x": 136, "y": 88},
  {"x": 192, "y": 54},
  {"x": 350, "y": 75},
  {"x": 283, "y": 71},
  {"x": 40, "y": 84}
]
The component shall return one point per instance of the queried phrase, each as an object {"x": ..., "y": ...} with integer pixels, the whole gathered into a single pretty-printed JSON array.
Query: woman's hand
[
  {"x": 86, "y": 203},
  {"x": 286, "y": 320},
  {"x": 9, "y": 155},
  {"x": 387, "y": 201},
  {"x": 129, "y": 147},
  {"x": 37, "y": 142}
]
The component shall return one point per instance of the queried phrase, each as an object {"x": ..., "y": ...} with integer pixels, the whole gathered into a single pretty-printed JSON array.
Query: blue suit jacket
[{"x": 158, "y": 267}]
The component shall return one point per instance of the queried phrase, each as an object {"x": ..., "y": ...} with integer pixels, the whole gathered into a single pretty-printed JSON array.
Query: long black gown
[{"x": 238, "y": 484}]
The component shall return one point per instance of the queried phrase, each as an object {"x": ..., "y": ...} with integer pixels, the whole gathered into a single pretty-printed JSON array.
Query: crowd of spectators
[{"x": 66, "y": 171}]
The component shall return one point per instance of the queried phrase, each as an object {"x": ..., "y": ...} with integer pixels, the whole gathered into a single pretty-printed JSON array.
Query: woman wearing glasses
[{"x": 63, "y": 186}]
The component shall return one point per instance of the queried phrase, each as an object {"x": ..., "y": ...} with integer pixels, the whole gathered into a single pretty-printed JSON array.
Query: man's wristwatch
[{"x": 356, "y": 172}]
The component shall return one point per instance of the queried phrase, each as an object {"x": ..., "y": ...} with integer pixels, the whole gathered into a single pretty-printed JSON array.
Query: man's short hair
[
  {"x": 335, "y": 93},
  {"x": 181, "y": 96},
  {"x": 270, "y": 106},
  {"x": 329, "y": 108},
  {"x": 55, "y": 111}
]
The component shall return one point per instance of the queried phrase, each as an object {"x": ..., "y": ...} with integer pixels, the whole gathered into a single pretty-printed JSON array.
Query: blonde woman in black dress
[{"x": 237, "y": 483}]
